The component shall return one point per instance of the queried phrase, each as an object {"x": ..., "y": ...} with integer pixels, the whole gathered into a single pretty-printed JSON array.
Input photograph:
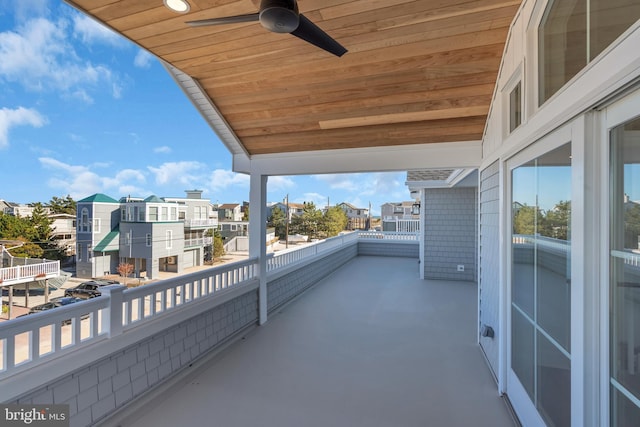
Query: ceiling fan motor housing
[{"x": 279, "y": 16}]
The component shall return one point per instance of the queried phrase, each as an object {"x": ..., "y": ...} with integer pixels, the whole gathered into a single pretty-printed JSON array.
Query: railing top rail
[{"x": 35, "y": 321}]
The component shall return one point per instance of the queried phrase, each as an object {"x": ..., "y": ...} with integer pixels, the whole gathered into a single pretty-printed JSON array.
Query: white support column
[
  {"x": 257, "y": 236},
  {"x": 423, "y": 230}
]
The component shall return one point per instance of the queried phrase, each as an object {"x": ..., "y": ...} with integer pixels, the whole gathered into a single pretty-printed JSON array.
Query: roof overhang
[{"x": 417, "y": 80}]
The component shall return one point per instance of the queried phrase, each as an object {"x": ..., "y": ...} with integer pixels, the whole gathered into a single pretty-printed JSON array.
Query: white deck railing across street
[
  {"x": 33, "y": 340},
  {"x": 389, "y": 235},
  {"x": 25, "y": 273}
]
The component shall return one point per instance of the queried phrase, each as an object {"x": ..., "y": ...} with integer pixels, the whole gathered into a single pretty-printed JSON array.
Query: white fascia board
[
  {"x": 454, "y": 179},
  {"x": 446, "y": 155},
  {"x": 207, "y": 109}
]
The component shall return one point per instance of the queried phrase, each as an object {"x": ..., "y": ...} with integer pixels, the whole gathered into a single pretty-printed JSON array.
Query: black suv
[{"x": 90, "y": 289}]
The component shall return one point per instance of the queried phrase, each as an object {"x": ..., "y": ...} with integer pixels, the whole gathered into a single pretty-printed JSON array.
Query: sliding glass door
[
  {"x": 540, "y": 302},
  {"x": 624, "y": 283}
]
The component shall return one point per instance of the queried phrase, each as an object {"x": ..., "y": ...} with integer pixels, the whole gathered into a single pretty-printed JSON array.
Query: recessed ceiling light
[{"x": 180, "y": 6}]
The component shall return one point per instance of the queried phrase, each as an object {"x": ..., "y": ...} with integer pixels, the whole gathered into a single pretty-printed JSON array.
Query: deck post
[{"x": 257, "y": 236}]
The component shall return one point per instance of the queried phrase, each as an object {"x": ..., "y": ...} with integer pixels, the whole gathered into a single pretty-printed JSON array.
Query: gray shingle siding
[
  {"x": 450, "y": 239},
  {"x": 489, "y": 260}
]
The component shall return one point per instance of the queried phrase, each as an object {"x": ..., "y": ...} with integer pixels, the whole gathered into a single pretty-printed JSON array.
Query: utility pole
[{"x": 286, "y": 230}]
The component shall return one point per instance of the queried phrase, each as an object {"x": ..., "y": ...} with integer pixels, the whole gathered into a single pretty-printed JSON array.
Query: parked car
[
  {"x": 89, "y": 289},
  {"x": 54, "y": 303}
]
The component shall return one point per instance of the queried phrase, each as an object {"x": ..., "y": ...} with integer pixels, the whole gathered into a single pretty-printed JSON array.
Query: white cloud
[
  {"x": 223, "y": 178},
  {"x": 143, "y": 59},
  {"x": 18, "y": 117},
  {"x": 80, "y": 181},
  {"x": 163, "y": 150},
  {"x": 280, "y": 183},
  {"x": 318, "y": 199},
  {"x": 185, "y": 173},
  {"x": 89, "y": 32},
  {"x": 38, "y": 56},
  {"x": 344, "y": 182}
]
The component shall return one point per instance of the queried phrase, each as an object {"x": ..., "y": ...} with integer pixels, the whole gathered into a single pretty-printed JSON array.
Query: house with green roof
[{"x": 153, "y": 234}]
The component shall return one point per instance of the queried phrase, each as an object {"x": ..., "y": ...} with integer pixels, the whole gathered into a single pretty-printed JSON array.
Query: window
[
  {"x": 141, "y": 214},
  {"x": 515, "y": 107},
  {"x": 123, "y": 214},
  {"x": 174, "y": 214},
  {"x": 84, "y": 221},
  {"x": 169, "y": 237},
  {"x": 148, "y": 239},
  {"x": 573, "y": 32},
  {"x": 96, "y": 225},
  {"x": 153, "y": 213},
  {"x": 541, "y": 283},
  {"x": 165, "y": 213},
  {"x": 624, "y": 287},
  {"x": 80, "y": 252}
]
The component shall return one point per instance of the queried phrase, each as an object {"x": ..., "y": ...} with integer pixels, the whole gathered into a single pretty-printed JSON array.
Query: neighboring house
[
  {"x": 229, "y": 212},
  {"x": 23, "y": 211},
  {"x": 357, "y": 218},
  {"x": 294, "y": 209},
  {"x": 63, "y": 233},
  {"x": 230, "y": 229},
  {"x": 398, "y": 216},
  {"x": 154, "y": 234}
]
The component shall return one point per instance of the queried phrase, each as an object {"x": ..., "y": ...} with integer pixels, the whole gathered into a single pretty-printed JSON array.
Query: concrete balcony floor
[{"x": 370, "y": 345}]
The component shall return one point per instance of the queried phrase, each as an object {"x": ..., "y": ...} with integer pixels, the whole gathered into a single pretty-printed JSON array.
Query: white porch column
[
  {"x": 257, "y": 236},
  {"x": 423, "y": 230}
]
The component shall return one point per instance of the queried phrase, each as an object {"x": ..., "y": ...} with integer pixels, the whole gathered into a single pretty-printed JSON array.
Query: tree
[
  {"x": 125, "y": 270},
  {"x": 307, "y": 223},
  {"x": 14, "y": 227},
  {"x": 333, "y": 221},
  {"x": 218, "y": 245},
  {"x": 278, "y": 220},
  {"x": 558, "y": 220},
  {"x": 530, "y": 220},
  {"x": 632, "y": 227},
  {"x": 61, "y": 205},
  {"x": 41, "y": 224},
  {"x": 27, "y": 250}
]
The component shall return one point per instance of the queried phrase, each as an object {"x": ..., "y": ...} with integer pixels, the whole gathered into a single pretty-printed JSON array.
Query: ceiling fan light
[{"x": 180, "y": 6}]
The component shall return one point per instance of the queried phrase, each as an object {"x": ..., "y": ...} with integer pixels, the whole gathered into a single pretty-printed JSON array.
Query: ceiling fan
[{"x": 282, "y": 16}]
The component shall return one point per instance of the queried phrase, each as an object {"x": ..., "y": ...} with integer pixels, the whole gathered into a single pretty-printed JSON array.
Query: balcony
[
  {"x": 369, "y": 344},
  {"x": 200, "y": 223}
]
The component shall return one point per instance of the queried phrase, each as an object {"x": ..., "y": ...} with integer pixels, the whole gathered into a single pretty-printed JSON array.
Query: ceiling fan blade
[
  {"x": 310, "y": 32},
  {"x": 252, "y": 17}
]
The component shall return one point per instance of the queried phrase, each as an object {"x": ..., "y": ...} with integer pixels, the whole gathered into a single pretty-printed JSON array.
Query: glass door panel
[
  {"x": 625, "y": 274},
  {"x": 541, "y": 283}
]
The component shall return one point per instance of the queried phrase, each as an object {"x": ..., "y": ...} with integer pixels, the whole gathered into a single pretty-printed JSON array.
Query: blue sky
[{"x": 84, "y": 111}]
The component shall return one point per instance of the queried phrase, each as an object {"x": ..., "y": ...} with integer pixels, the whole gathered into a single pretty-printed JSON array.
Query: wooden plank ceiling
[{"x": 416, "y": 71}]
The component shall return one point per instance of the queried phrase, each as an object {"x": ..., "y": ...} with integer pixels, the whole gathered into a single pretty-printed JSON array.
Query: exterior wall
[
  {"x": 108, "y": 214},
  {"x": 489, "y": 256},
  {"x": 450, "y": 233}
]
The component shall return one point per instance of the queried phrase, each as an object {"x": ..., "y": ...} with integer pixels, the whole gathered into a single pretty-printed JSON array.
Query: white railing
[
  {"x": 198, "y": 241},
  {"x": 201, "y": 222},
  {"x": 292, "y": 256},
  {"x": 31, "y": 340},
  {"x": 630, "y": 258},
  {"x": 389, "y": 235},
  {"x": 145, "y": 302},
  {"x": 25, "y": 273},
  {"x": 562, "y": 246}
]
